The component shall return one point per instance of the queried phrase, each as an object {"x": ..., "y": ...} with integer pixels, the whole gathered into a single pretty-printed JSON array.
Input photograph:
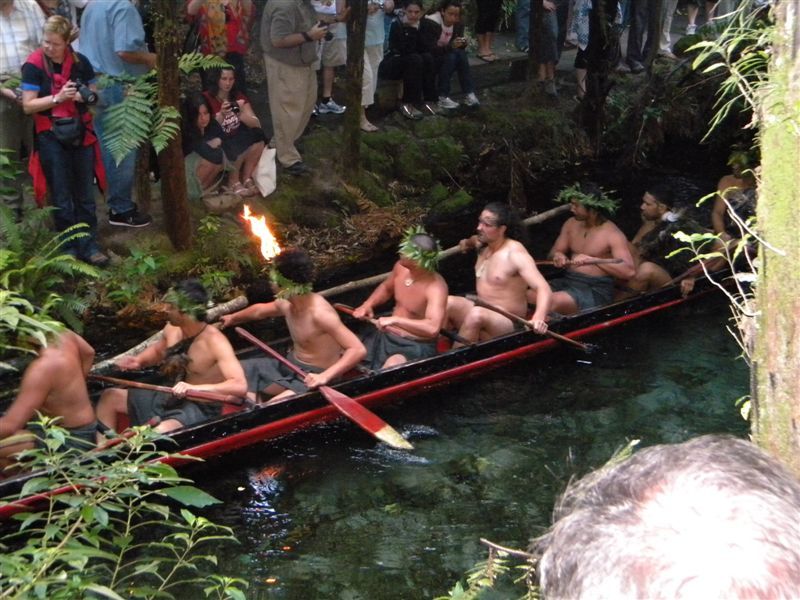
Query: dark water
[{"x": 328, "y": 514}]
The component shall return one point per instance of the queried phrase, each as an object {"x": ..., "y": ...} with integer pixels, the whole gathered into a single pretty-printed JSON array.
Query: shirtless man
[
  {"x": 587, "y": 236},
  {"x": 503, "y": 273},
  {"x": 420, "y": 309},
  {"x": 654, "y": 245},
  {"x": 55, "y": 385},
  {"x": 736, "y": 192},
  {"x": 207, "y": 364},
  {"x": 323, "y": 346}
]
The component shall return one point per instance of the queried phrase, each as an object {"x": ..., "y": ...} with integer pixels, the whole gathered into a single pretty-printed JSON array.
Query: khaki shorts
[{"x": 332, "y": 53}]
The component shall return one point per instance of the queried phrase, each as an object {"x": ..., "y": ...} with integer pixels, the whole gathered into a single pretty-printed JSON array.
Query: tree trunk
[
  {"x": 356, "y": 30},
  {"x": 534, "y": 45},
  {"x": 776, "y": 357},
  {"x": 177, "y": 219}
]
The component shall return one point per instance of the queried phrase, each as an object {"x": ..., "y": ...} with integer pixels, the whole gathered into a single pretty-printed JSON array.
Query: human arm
[
  {"x": 718, "y": 217},
  {"x": 152, "y": 355},
  {"x": 193, "y": 7},
  {"x": 246, "y": 114},
  {"x": 254, "y": 312},
  {"x": 380, "y": 295},
  {"x": 548, "y": 5},
  {"x": 620, "y": 249},
  {"x": 86, "y": 353},
  {"x": 283, "y": 33},
  {"x": 353, "y": 351},
  {"x": 33, "y": 391},
  {"x": 531, "y": 275},
  {"x": 560, "y": 251},
  {"x": 233, "y": 383}
]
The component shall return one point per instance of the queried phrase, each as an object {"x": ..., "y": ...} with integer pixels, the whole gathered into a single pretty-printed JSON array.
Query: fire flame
[{"x": 258, "y": 226}]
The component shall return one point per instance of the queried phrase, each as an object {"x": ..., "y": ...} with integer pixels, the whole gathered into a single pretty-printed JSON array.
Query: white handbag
[{"x": 265, "y": 175}]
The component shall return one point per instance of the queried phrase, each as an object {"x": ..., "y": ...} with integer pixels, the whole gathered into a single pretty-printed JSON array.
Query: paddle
[
  {"x": 588, "y": 348},
  {"x": 351, "y": 409},
  {"x": 596, "y": 261},
  {"x": 199, "y": 395},
  {"x": 454, "y": 337}
]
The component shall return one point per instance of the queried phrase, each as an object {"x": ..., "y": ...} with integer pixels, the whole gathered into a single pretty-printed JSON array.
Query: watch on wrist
[
  {"x": 306, "y": 37},
  {"x": 55, "y": 99}
]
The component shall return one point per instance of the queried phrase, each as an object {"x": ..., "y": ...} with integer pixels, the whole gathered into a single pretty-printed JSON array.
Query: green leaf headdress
[
  {"x": 593, "y": 199},
  {"x": 185, "y": 304},
  {"x": 426, "y": 259},
  {"x": 286, "y": 287}
]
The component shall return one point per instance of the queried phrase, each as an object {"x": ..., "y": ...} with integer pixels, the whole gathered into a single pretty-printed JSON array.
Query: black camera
[
  {"x": 328, "y": 35},
  {"x": 89, "y": 97},
  {"x": 235, "y": 108}
]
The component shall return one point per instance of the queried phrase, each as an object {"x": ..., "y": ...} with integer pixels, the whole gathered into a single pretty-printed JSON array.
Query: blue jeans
[
  {"x": 455, "y": 61},
  {"x": 119, "y": 196},
  {"x": 523, "y": 19},
  {"x": 70, "y": 176}
]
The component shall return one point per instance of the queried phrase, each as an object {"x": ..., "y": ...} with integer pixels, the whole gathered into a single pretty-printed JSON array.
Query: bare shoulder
[{"x": 613, "y": 231}]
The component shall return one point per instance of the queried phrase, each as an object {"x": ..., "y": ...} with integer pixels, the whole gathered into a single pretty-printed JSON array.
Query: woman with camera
[
  {"x": 57, "y": 86},
  {"x": 450, "y": 54},
  {"x": 242, "y": 137}
]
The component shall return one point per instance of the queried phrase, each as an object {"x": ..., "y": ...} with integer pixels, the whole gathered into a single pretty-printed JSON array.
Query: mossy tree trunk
[
  {"x": 177, "y": 219},
  {"x": 776, "y": 357},
  {"x": 356, "y": 30}
]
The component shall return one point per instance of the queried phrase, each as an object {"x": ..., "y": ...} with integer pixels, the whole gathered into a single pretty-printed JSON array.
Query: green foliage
[
  {"x": 9, "y": 169},
  {"x": 135, "y": 277},
  {"x": 139, "y": 118},
  {"x": 19, "y": 320},
  {"x": 34, "y": 266},
  {"x": 741, "y": 50},
  {"x": 114, "y": 534}
]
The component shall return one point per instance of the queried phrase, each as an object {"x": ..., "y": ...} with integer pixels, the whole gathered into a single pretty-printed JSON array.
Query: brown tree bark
[
  {"x": 356, "y": 30},
  {"x": 776, "y": 358},
  {"x": 177, "y": 219}
]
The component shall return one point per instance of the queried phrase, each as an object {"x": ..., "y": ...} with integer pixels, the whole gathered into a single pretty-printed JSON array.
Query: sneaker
[
  {"x": 330, "y": 106},
  {"x": 691, "y": 29},
  {"x": 132, "y": 218},
  {"x": 549, "y": 88},
  {"x": 428, "y": 109},
  {"x": 472, "y": 100},
  {"x": 297, "y": 169},
  {"x": 667, "y": 54},
  {"x": 446, "y": 103},
  {"x": 410, "y": 112},
  {"x": 623, "y": 68}
]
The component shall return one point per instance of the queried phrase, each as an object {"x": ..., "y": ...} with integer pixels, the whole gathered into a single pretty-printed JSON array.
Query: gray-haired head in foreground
[{"x": 714, "y": 517}]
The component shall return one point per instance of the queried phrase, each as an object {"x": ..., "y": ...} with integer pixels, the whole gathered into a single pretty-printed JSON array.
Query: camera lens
[
  {"x": 235, "y": 108},
  {"x": 89, "y": 97},
  {"x": 328, "y": 36}
]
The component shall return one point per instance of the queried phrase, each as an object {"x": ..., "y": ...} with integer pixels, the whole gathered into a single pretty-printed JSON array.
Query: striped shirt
[{"x": 20, "y": 34}]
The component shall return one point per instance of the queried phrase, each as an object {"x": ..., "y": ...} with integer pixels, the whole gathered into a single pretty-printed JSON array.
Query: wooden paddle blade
[{"x": 365, "y": 418}]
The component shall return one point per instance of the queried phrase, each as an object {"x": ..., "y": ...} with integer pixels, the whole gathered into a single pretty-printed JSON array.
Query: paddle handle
[
  {"x": 525, "y": 322},
  {"x": 276, "y": 355},
  {"x": 597, "y": 261},
  {"x": 194, "y": 394}
]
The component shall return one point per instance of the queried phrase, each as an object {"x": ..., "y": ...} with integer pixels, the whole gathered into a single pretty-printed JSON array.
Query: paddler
[
  {"x": 197, "y": 356},
  {"x": 504, "y": 272},
  {"x": 420, "y": 305},
  {"x": 587, "y": 236},
  {"x": 54, "y": 384},
  {"x": 322, "y": 345}
]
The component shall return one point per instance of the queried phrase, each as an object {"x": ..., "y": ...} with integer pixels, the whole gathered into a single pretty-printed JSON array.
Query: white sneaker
[
  {"x": 330, "y": 106},
  {"x": 691, "y": 29},
  {"x": 446, "y": 103},
  {"x": 472, "y": 100}
]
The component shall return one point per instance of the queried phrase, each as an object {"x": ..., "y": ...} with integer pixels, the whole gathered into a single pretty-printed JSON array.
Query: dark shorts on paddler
[
  {"x": 381, "y": 345},
  {"x": 587, "y": 291},
  {"x": 143, "y": 405},
  {"x": 263, "y": 371},
  {"x": 80, "y": 438}
]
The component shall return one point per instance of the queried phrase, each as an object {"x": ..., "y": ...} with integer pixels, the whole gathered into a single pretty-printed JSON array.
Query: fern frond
[
  {"x": 9, "y": 230},
  {"x": 194, "y": 61},
  {"x": 166, "y": 125}
]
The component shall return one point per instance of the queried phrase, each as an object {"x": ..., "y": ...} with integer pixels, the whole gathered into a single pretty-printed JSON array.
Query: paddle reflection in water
[{"x": 362, "y": 521}]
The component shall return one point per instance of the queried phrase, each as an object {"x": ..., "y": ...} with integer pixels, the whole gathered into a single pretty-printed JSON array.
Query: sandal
[
  {"x": 251, "y": 187},
  {"x": 489, "y": 58},
  {"x": 239, "y": 190}
]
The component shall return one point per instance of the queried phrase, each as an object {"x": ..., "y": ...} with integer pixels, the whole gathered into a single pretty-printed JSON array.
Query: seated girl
[
  {"x": 410, "y": 58},
  {"x": 242, "y": 139},
  {"x": 202, "y": 147},
  {"x": 450, "y": 54}
]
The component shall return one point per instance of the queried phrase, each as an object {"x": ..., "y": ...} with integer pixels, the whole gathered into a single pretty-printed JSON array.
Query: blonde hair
[{"x": 60, "y": 26}]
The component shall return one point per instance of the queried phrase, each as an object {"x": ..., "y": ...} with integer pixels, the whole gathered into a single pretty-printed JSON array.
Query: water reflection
[{"x": 330, "y": 514}]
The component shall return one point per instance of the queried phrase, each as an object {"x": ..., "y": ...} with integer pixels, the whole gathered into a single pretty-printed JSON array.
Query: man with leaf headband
[
  {"x": 420, "y": 309},
  {"x": 194, "y": 355},
  {"x": 322, "y": 345},
  {"x": 587, "y": 236}
]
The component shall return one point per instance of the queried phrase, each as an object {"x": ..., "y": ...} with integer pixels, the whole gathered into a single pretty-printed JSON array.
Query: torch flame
[{"x": 258, "y": 226}]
